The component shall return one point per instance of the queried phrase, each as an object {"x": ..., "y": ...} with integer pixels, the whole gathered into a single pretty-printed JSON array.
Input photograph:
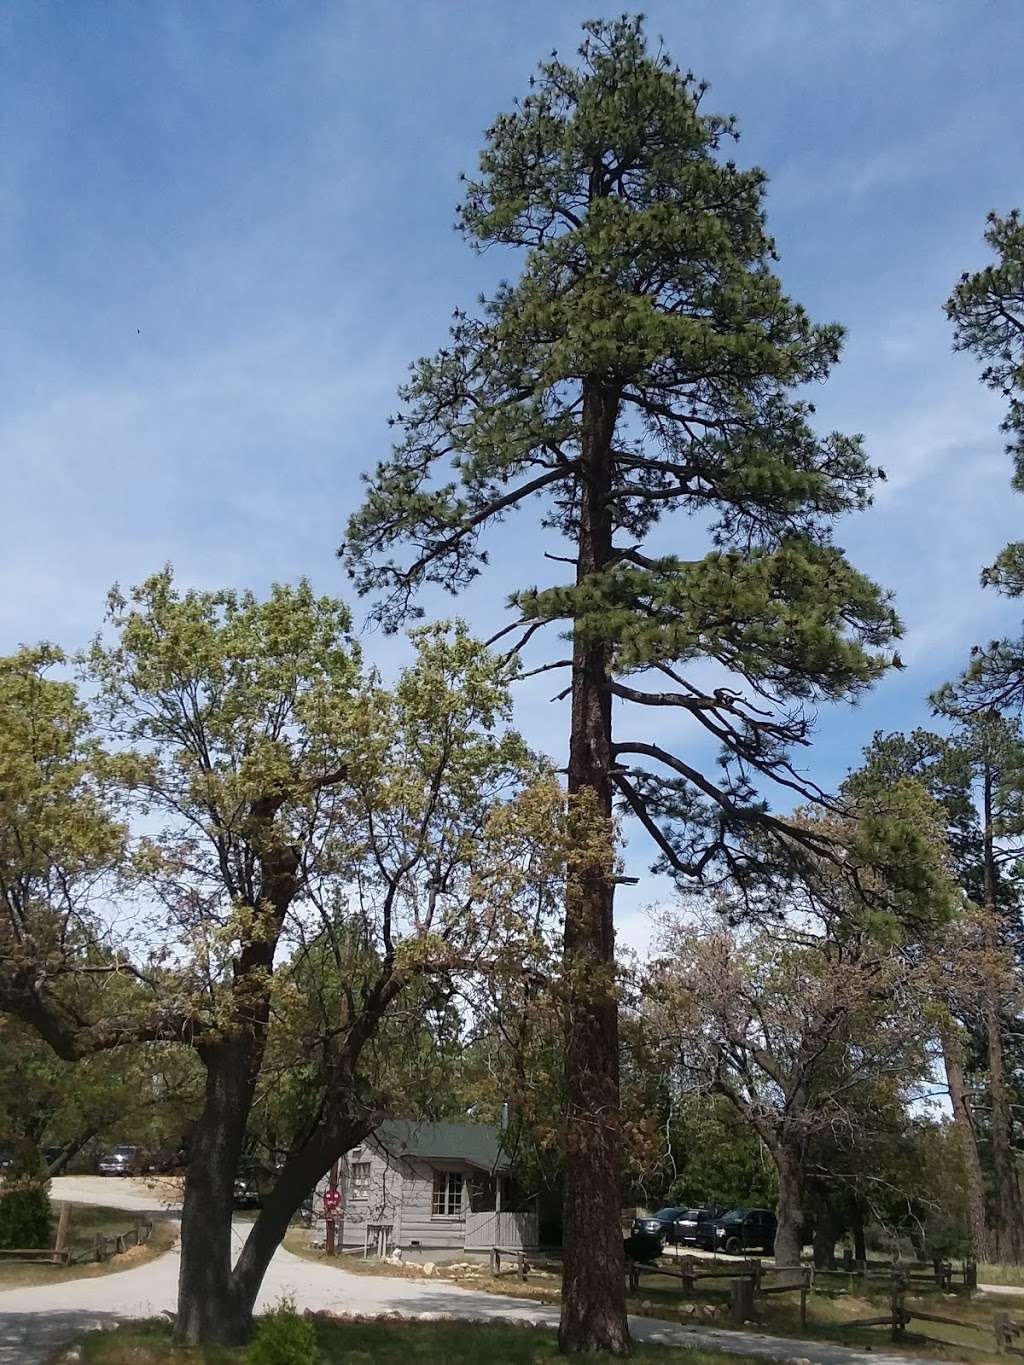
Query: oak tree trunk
[
  {"x": 828, "y": 1228},
  {"x": 860, "y": 1248},
  {"x": 789, "y": 1234},
  {"x": 300, "y": 1174},
  {"x": 593, "y": 1316},
  {"x": 208, "y": 1310}
]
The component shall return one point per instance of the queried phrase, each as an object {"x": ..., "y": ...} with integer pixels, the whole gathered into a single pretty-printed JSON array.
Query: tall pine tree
[{"x": 643, "y": 364}]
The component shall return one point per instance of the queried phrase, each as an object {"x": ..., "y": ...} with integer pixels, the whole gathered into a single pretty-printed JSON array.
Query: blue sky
[{"x": 226, "y": 229}]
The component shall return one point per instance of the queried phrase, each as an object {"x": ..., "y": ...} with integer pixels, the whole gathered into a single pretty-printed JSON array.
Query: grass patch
[
  {"x": 87, "y": 1221},
  {"x": 379, "y": 1343},
  {"x": 831, "y": 1312},
  {"x": 991, "y": 1273}
]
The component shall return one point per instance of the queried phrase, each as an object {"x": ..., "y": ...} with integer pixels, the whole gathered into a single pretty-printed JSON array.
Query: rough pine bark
[
  {"x": 963, "y": 1121},
  {"x": 1008, "y": 1234},
  {"x": 593, "y": 1316}
]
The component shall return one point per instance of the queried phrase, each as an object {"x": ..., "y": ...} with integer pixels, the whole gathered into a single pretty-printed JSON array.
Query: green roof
[{"x": 477, "y": 1144}]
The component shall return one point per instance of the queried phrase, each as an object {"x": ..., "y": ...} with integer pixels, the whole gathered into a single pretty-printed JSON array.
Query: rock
[
  {"x": 428, "y": 1267},
  {"x": 646, "y": 1303}
]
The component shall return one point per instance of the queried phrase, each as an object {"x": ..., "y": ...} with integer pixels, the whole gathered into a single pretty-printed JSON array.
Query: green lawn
[
  {"x": 87, "y": 1220},
  {"x": 378, "y": 1343}
]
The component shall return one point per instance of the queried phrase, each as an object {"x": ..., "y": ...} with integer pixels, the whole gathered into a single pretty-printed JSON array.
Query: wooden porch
[{"x": 509, "y": 1231}]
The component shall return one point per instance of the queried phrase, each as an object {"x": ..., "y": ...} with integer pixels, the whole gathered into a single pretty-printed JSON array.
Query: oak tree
[{"x": 242, "y": 810}]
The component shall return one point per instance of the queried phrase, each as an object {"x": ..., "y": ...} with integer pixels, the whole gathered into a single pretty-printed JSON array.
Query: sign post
[{"x": 332, "y": 1203}]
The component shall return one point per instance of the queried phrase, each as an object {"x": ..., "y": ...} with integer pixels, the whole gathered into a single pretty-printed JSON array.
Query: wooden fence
[
  {"x": 749, "y": 1283},
  {"x": 106, "y": 1247},
  {"x": 899, "y": 1317},
  {"x": 103, "y": 1248},
  {"x": 746, "y": 1281}
]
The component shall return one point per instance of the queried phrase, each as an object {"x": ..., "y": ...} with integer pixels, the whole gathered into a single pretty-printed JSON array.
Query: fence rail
[
  {"x": 747, "y": 1281},
  {"x": 102, "y": 1249}
]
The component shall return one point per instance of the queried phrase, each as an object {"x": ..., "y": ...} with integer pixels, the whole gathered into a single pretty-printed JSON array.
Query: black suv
[
  {"x": 740, "y": 1230},
  {"x": 660, "y": 1224},
  {"x": 687, "y": 1227}
]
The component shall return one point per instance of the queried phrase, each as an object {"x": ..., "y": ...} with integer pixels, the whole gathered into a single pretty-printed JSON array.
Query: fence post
[
  {"x": 61, "y": 1242},
  {"x": 686, "y": 1274},
  {"x": 804, "y": 1290},
  {"x": 971, "y": 1274},
  {"x": 495, "y": 1261},
  {"x": 1000, "y": 1332},
  {"x": 742, "y": 1307},
  {"x": 896, "y": 1304},
  {"x": 634, "y": 1274}
]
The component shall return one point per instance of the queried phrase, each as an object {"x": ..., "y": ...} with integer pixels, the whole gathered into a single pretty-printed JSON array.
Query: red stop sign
[{"x": 332, "y": 1200}]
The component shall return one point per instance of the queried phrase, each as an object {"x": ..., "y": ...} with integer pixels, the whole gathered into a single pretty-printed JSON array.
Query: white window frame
[
  {"x": 359, "y": 1179},
  {"x": 449, "y": 1191}
]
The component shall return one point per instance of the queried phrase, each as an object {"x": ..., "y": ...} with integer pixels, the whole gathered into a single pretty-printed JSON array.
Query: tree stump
[{"x": 742, "y": 1305}]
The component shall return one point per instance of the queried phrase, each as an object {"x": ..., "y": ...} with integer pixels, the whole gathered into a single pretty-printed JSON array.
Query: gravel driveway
[{"x": 35, "y": 1321}]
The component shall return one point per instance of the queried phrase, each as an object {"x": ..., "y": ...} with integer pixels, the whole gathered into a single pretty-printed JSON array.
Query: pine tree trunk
[
  {"x": 789, "y": 1235},
  {"x": 963, "y": 1122},
  {"x": 593, "y": 1316},
  {"x": 1009, "y": 1236},
  {"x": 1007, "y": 1229},
  {"x": 208, "y": 1308}
]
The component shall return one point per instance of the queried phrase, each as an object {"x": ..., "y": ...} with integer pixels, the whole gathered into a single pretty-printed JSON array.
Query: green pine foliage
[{"x": 646, "y": 349}]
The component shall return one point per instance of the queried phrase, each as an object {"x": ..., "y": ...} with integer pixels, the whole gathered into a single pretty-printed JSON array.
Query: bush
[
  {"x": 283, "y": 1338},
  {"x": 25, "y": 1216}
]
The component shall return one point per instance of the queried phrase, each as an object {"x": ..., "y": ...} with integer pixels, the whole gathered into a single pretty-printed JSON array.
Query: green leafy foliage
[
  {"x": 26, "y": 1219},
  {"x": 282, "y": 1337}
]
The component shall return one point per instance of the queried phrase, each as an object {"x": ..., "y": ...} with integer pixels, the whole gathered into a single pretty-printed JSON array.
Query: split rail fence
[
  {"x": 103, "y": 1248},
  {"x": 751, "y": 1280}
]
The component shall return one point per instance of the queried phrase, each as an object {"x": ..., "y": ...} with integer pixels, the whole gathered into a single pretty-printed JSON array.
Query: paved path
[{"x": 35, "y": 1321}]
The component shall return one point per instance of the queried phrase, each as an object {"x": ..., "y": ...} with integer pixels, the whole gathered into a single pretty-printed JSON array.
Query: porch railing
[{"x": 510, "y": 1231}]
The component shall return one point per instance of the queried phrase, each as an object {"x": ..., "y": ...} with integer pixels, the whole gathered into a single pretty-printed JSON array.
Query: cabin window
[
  {"x": 360, "y": 1179},
  {"x": 447, "y": 1194}
]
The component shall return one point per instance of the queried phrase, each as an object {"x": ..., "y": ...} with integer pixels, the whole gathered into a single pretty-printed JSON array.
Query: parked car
[
  {"x": 687, "y": 1227},
  {"x": 247, "y": 1190},
  {"x": 659, "y": 1224},
  {"x": 740, "y": 1230},
  {"x": 125, "y": 1160}
]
